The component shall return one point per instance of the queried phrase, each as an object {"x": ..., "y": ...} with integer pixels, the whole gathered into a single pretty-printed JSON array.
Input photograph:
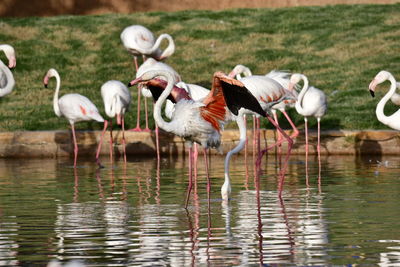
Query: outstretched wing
[{"x": 236, "y": 94}]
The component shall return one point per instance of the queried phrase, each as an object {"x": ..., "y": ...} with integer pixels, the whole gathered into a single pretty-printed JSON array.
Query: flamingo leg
[
  {"x": 137, "y": 128},
  {"x": 75, "y": 144},
  {"x": 100, "y": 144},
  {"x": 295, "y": 130},
  {"x": 207, "y": 172},
  {"x": 195, "y": 158},
  {"x": 258, "y": 134},
  {"x": 319, "y": 152},
  {"x": 158, "y": 143},
  {"x": 278, "y": 134},
  {"x": 306, "y": 131},
  {"x": 290, "y": 144},
  {"x": 111, "y": 143},
  {"x": 190, "y": 185},
  {"x": 123, "y": 137},
  {"x": 147, "y": 129},
  {"x": 254, "y": 136},
  {"x": 135, "y": 63}
]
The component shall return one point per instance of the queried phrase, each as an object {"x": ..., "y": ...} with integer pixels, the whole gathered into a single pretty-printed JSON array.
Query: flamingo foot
[
  {"x": 147, "y": 129},
  {"x": 137, "y": 129}
]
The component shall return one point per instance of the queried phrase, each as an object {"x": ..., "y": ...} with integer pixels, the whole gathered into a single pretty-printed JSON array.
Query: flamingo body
[{"x": 7, "y": 81}]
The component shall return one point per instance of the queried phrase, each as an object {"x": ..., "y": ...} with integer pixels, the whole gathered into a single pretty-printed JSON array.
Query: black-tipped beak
[
  {"x": 45, "y": 85},
  {"x": 129, "y": 84},
  {"x": 372, "y": 93}
]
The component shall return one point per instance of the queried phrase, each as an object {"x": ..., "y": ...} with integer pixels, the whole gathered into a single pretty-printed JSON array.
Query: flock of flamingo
[{"x": 195, "y": 113}]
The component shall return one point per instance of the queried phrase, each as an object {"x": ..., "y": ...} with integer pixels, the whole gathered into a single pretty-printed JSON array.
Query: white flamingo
[
  {"x": 116, "y": 98},
  {"x": 74, "y": 107},
  {"x": 199, "y": 121},
  {"x": 393, "y": 121},
  {"x": 7, "y": 81},
  {"x": 311, "y": 102},
  {"x": 395, "y": 98}
]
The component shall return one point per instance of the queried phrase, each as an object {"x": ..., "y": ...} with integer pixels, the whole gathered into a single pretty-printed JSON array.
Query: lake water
[{"x": 135, "y": 216}]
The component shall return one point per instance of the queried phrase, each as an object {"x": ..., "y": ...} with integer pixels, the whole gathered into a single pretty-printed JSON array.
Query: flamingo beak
[
  {"x": 372, "y": 86},
  {"x": 290, "y": 87},
  {"x": 12, "y": 63},
  {"x": 45, "y": 81},
  {"x": 231, "y": 74},
  {"x": 135, "y": 81}
]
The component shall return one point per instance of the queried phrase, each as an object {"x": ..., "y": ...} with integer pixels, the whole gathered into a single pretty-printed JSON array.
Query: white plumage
[{"x": 7, "y": 81}]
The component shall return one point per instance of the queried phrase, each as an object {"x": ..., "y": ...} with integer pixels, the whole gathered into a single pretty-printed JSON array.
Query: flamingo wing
[
  {"x": 236, "y": 95},
  {"x": 156, "y": 86}
]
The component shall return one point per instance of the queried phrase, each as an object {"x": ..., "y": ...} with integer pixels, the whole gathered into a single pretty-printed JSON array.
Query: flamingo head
[
  {"x": 382, "y": 76},
  {"x": 10, "y": 54},
  {"x": 239, "y": 69},
  {"x": 294, "y": 79},
  {"x": 50, "y": 73}
]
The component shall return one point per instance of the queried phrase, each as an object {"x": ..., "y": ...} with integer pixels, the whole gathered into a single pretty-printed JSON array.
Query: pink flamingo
[
  {"x": 116, "y": 98},
  {"x": 311, "y": 102},
  {"x": 74, "y": 107},
  {"x": 198, "y": 121},
  {"x": 138, "y": 40},
  {"x": 7, "y": 81}
]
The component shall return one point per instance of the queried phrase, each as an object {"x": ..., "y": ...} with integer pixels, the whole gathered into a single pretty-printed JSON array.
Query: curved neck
[
  {"x": 170, "y": 48},
  {"x": 381, "y": 105},
  {"x": 302, "y": 93},
  {"x": 10, "y": 80},
  {"x": 157, "y": 106},
  {"x": 55, "y": 98}
]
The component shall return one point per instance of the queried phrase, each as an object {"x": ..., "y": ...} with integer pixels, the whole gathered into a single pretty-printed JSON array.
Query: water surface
[{"x": 135, "y": 215}]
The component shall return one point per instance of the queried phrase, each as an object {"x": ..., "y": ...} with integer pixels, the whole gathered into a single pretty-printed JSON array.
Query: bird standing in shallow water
[
  {"x": 74, "y": 107},
  {"x": 116, "y": 98},
  {"x": 311, "y": 102}
]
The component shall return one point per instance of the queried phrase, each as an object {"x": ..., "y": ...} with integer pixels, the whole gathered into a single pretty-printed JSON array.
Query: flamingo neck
[
  {"x": 226, "y": 187},
  {"x": 303, "y": 91},
  {"x": 381, "y": 105},
  {"x": 55, "y": 98},
  {"x": 157, "y": 106},
  {"x": 170, "y": 48},
  {"x": 10, "y": 80}
]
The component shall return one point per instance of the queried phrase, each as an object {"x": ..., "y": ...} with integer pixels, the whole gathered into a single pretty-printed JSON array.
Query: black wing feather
[{"x": 237, "y": 97}]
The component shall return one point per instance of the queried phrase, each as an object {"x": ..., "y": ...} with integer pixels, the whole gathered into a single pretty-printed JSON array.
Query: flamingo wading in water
[
  {"x": 311, "y": 102},
  {"x": 393, "y": 121},
  {"x": 200, "y": 121},
  {"x": 7, "y": 81},
  {"x": 116, "y": 98},
  {"x": 74, "y": 107}
]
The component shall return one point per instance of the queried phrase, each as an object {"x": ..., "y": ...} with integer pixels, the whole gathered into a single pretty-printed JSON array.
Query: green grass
[{"x": 340, "y": 48}]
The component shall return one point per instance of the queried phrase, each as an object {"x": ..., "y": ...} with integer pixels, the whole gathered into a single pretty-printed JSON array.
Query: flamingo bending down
[
  {"x": 139, "y": 40},
  {"x": 393, "y": 121},
  {"x": 200, "y": 121},
  {"x": 116, "y": 98},
  {"x": 268, "y": 93},
  {"x": 7, "y": 81},
  {"x": 74, "y": 107},
  {"x": 311, "y": 102}
]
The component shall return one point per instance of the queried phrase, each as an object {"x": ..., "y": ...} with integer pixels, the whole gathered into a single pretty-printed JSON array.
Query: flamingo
[
  {"x": 268, "y": 93},
  {"x": 395, "y": 98},
  {"x": 311, "y": 102},
  {"x": 200, "y": 121},
  {"x": 74, "y": 107},
  {"x": 393, "y": 121},
  {"x": 7, "y": 81},
  {"x": 282, "y": 78},
  {"x": 116, "y": 98}
]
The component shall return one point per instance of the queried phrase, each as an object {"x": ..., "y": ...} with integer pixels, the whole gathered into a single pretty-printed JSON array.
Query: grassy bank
[{"x": 340, "y": 48}]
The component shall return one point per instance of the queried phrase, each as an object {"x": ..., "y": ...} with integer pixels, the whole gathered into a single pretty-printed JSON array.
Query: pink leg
[
  {"x": 190, "y": 185},
  {"x": 207, "y": 173},
  {"x": 306, "y": 130},
  {"x": 111, "y": 143},
  {"x": 137, "y": 128},
  {"x": 100, "y": 144},
  {"x": 319, "y": 153},
  {"x": 135, "y": 62},
  {"x": 258, "y": 134},
  {"x": 123, "y": 137},
  {"x": 75, "y": 145},
  {"x": 158, "y": 143},
  {"x": 195, "y": 158},
  {"x": 278, "y": 134},
  {"x": 295, "y": 130},
  {"x": 290, "y": 144},
  {"x": 147, "y": 129}
]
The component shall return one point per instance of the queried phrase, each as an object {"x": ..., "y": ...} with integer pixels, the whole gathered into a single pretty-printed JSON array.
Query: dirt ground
[{"x": 21, "y": 8}]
